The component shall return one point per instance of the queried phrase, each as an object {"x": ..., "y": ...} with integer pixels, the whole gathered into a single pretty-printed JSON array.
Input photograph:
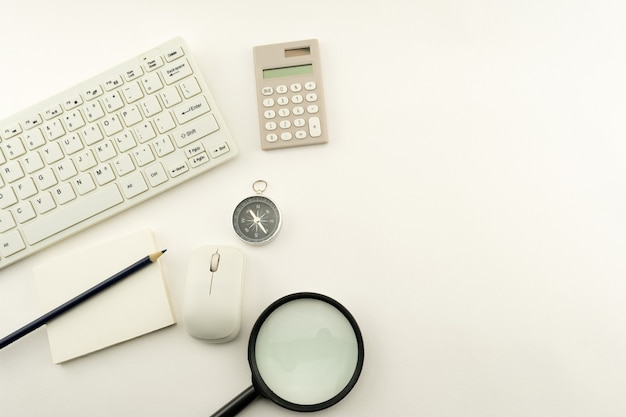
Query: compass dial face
[{"x": 256, "y": 220}]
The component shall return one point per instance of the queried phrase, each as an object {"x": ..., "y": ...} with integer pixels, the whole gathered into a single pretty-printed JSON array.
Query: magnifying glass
[{"x": 305, "y": 353}]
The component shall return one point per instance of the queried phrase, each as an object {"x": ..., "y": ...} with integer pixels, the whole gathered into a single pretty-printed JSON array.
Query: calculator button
[
  {"x": 298, "y": 111},
  {"x": 284, "y": 112},
  {"x": 310, "y": 85},
  {"x": 314, "y": 127},
  {"x": 285, "y": 124},
  {"x": 297, "y": 99},
  {"x": 282, "y": 101},
  {"x": 281, "y": 89},
  {"x": 269, "y": 114},
  {"x": 270, "y": 126},
  {"x": 300, "y": 134},
  {"x": 272, "y": 137},
  {"x": 267, "y": 91},
  {"x": 295, "y": 87},
  {"x": 299, "y": 122},
  {"x": 311, "y": 97},
  {"x": 268, "y": 102},
  {"x": 312, "y": 109},
  {"x": 286, "y": 136}
]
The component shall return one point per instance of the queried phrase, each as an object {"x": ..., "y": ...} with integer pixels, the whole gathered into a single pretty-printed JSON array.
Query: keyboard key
[
  {"x": 93, "y": 92},
  {"x": 63, "y": 193},
  {"x": 113, "y": 82},
  {"x": 45, "y": 179},
  {"x": 125, "y": 141},
  {"x": 152, "y": 83},
  {"x": 151, "y": 106},
  {"x": 176, "y": 71},
  {"x": 163, "y": 146},
  {"x": 133, "y": 73},
  {"x": 6, "y": 221},
  {"x": 195, "y": 130},
  {"x": 133, "y": 185},
  {"x": 52, "y": 152},
  {"x": 92, "y": 134},
  {"x": 191, "y": 109},
  {"x": 112, "y": 102},
  {"x": 84, "y": 184},
  {"x": 132, "y": 92},
  {"x": 73, "y": 120},
  {"x": 144, "y": 132},
  {"x": 72, "y": 144},
  {"x": 65, "y": 169},
  {"x": 164, "y": 122},
  {"x": 143, "y": 155},
  {"x": 25, "y": 189},
  {"x": 105, "y": 151},
  {"x": 52, "y": 112},
  {"x": 93, "y": 111},
  {"x": 219, "y": 150},
  {"x": 33, "y": 121},
  {"x": 131, "y": 116},
  {"x": 153, "y": 63},
  {"x": 34, "y": 139},
  {"x": 155, "y": 174},
  {"x": 170, "y": 96},
  {"x": 7, "y": 197},
  {"x": 112, "y": 125},
  {"x": 67, "y": 216},
  {"x": 44, "y": 203},
  {"x": 123, "y": 165},
  {"x": 190, "y": 87},
  {"x": 24, "y": 212},
  {"x": 12, "y": 171},
  {"x": 9, "y": 132},
  {"x": 53, "y": 129},
  {"x": 173, "y": 54},
  {"x": 104, "y": 174},
  {"x": 73, "y": 102},
  {"x": 11, "y": 243},
  {"x": 85, "y": 160}
]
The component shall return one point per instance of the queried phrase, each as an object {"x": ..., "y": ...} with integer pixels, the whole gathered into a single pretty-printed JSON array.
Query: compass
[{"x": 257, "y": 219}]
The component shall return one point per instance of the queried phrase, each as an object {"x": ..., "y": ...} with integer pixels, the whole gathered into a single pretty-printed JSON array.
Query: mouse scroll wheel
[{"x": 215, "y": 261}]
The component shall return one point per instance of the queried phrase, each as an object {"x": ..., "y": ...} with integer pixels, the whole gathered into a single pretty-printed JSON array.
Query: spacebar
[{"x": 65, "y": 217}]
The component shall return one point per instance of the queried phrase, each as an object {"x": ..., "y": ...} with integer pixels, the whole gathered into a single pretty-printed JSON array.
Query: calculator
[{"x": 290, "y": 94}]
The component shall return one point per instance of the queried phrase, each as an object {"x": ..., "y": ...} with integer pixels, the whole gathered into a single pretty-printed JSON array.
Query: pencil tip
[{"x": 156, "y": 255}]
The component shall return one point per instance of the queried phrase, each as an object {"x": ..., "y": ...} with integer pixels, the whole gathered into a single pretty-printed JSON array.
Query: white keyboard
[{"x": 105, "y": 145}]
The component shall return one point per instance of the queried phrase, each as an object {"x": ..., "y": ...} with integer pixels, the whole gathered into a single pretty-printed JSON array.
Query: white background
[{"x": 468, "y": 210}]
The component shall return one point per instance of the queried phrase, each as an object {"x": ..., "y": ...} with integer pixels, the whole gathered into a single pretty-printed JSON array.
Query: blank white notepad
[{"x": 137, "y": 305}]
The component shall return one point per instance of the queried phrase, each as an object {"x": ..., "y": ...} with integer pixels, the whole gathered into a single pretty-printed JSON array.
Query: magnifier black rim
[{"x": 257, "y": 380}]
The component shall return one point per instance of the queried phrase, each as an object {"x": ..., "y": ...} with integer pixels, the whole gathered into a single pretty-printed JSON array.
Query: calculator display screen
[{"x": 287, "y": 71}]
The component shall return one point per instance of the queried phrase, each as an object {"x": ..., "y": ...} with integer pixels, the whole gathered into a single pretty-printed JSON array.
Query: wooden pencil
[{"x": 96, "y": 289}]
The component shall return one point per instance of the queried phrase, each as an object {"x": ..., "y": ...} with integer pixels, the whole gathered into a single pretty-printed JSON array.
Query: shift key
[{"x": 195, "y": 130}]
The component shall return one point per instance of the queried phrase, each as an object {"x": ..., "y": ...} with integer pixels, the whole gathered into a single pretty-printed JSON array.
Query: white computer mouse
[{"x": 212, "y": 304}]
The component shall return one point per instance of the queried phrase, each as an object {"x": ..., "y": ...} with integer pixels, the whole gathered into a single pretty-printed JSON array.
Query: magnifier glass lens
[{"x": 307, "y": 351}]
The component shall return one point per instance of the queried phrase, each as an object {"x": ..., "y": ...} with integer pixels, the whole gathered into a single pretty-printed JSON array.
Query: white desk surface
[{"x": 469, "y": 208}]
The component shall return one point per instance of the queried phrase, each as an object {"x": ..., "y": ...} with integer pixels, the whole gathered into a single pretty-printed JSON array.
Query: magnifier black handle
[{"x": 238, "y": 403}]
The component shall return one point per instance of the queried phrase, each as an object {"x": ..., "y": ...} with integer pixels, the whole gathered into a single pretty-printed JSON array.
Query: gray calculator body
[{"x": 290, "y": 95}]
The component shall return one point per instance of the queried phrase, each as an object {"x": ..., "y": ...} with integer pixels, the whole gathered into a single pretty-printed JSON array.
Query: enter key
[{"x": 191, "y": 109}]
